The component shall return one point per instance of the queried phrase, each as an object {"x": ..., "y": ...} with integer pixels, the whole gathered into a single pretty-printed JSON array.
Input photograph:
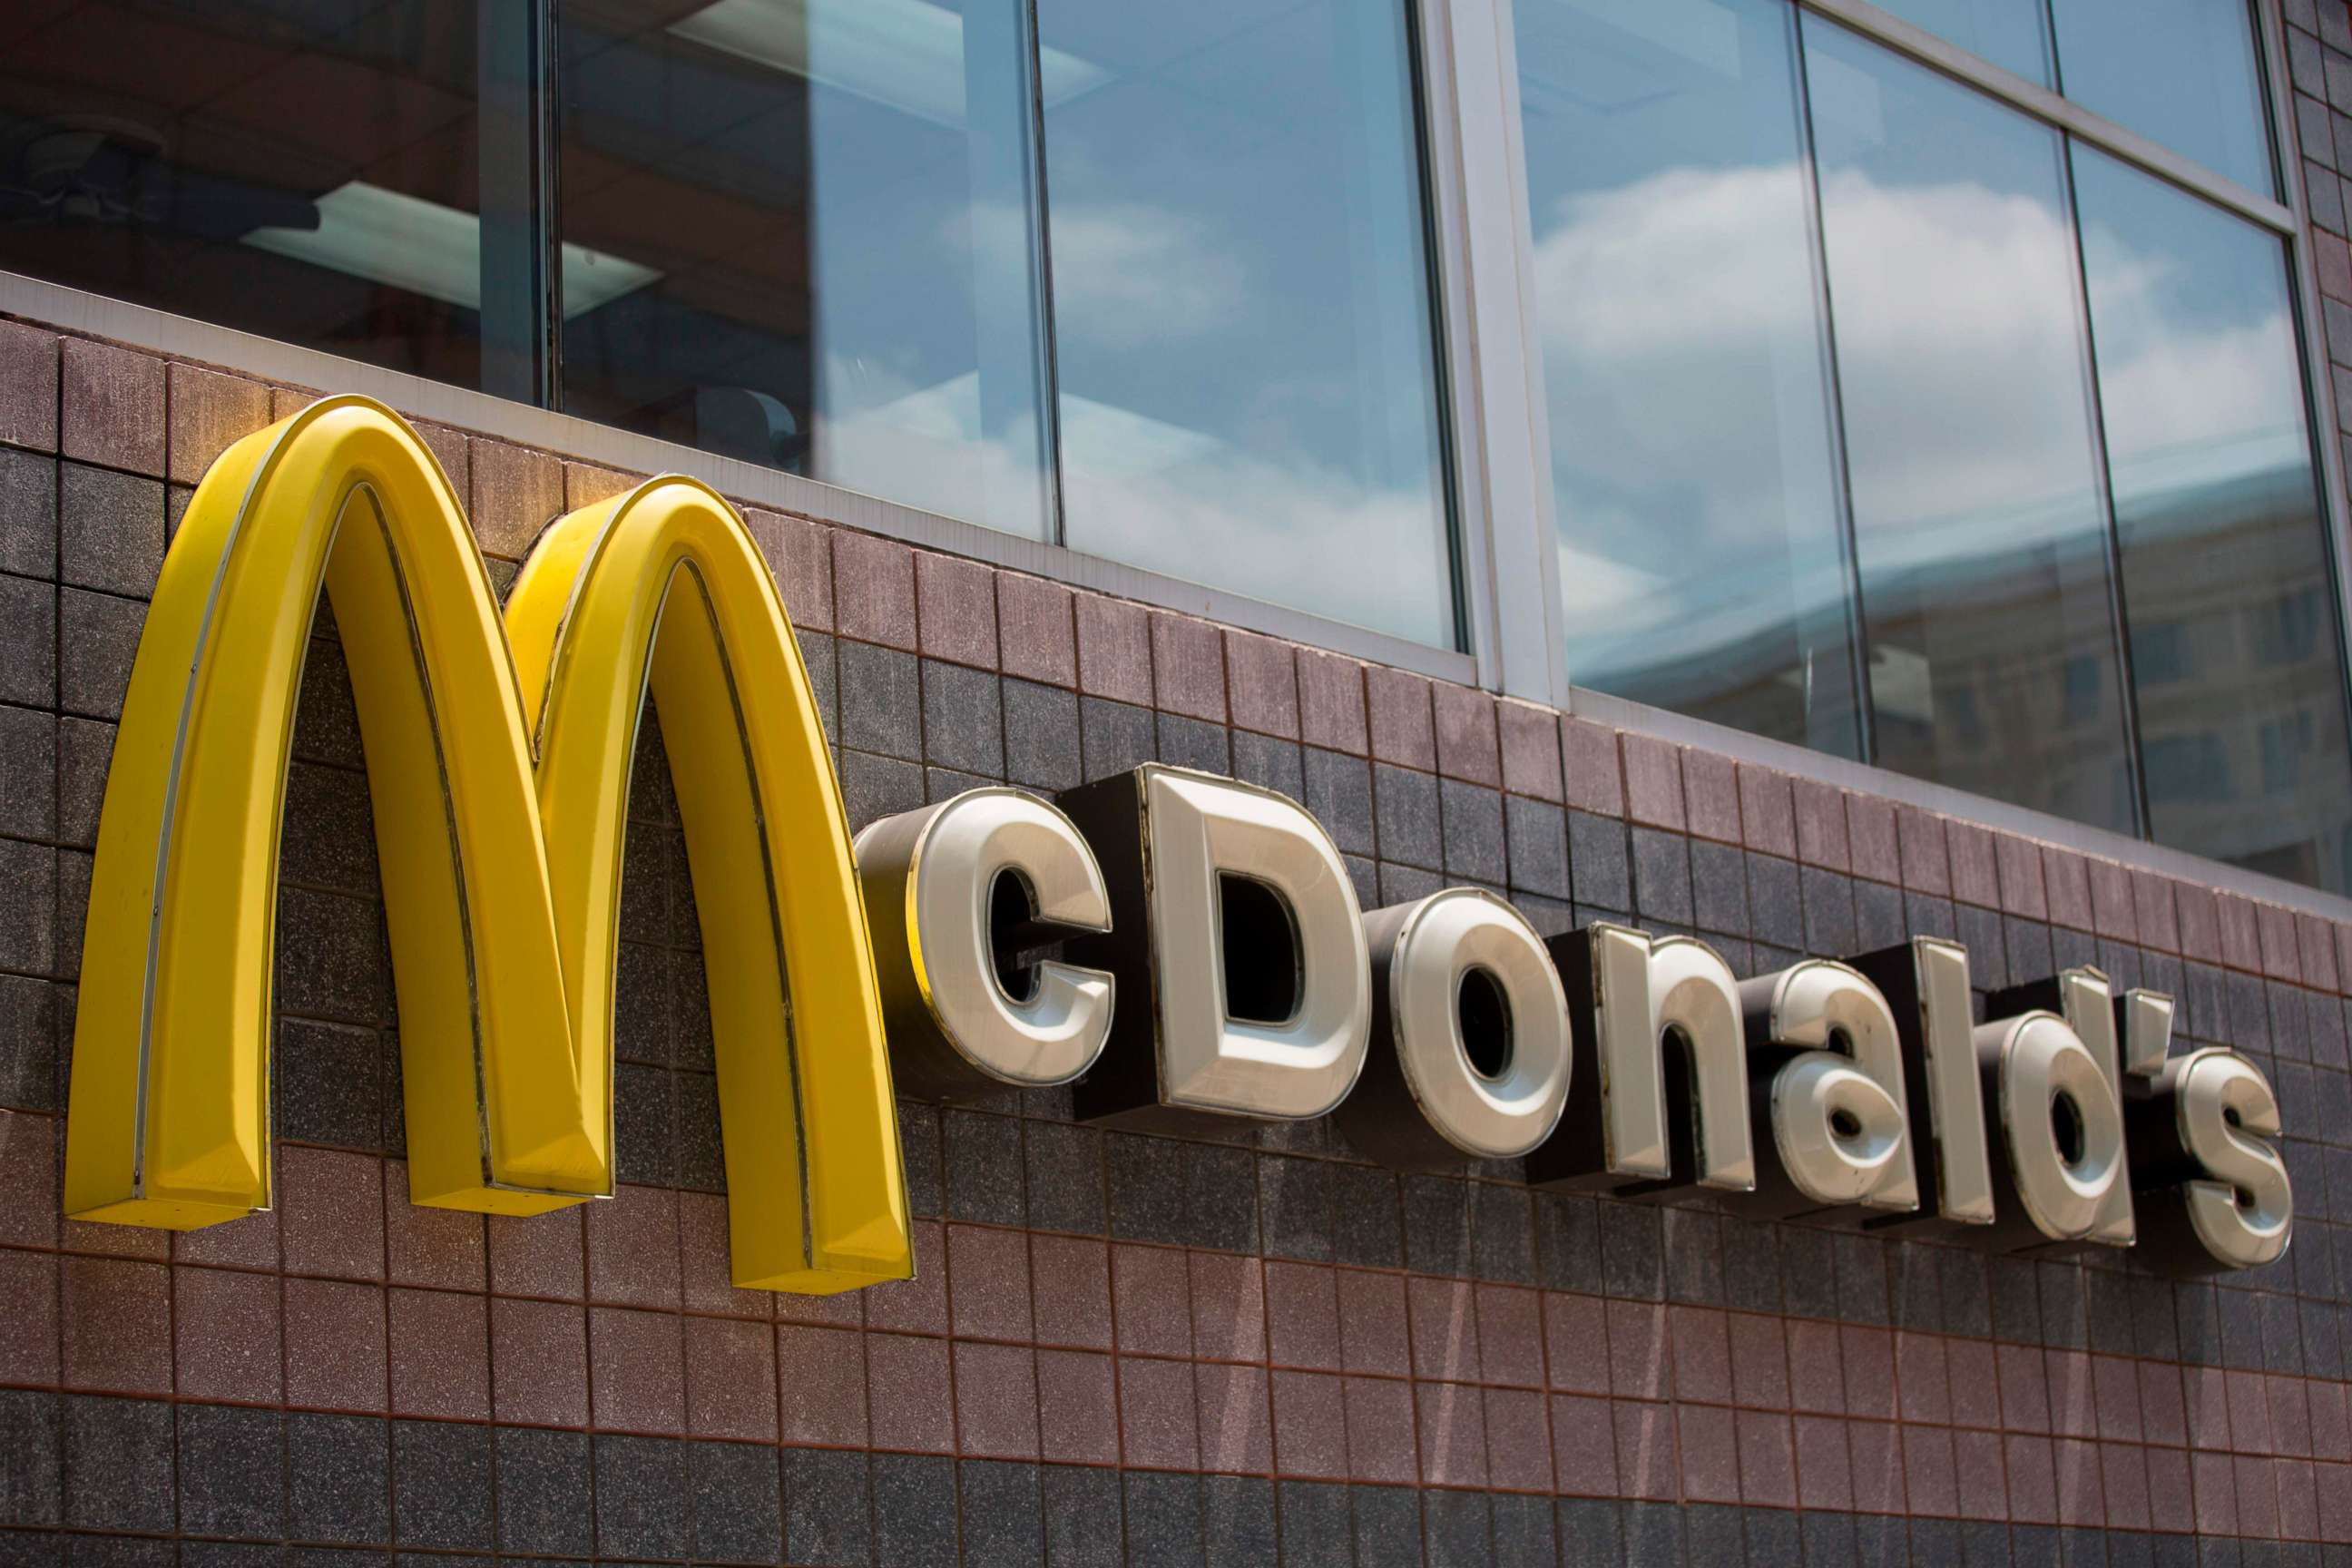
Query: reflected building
[
  {"x": 1988, "y": 463},
  {"x": 2238, "y": 681}
]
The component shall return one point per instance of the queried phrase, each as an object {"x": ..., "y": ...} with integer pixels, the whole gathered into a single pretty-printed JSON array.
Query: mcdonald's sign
[
  {"x": 497, "y": 749},
  {"x": 1184, "y": 949}
]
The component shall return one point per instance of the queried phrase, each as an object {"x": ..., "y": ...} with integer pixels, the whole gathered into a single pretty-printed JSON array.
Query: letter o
[
  {"x": 2059, "y": 1122},
  {"x": 1431, "y": 1093}
]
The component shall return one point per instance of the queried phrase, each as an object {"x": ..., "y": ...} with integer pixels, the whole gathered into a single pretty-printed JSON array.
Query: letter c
[{"x": 941, "y": 888}]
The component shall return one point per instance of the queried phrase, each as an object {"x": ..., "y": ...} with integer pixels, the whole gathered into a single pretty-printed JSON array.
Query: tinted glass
[
  {"x": 1241, "y": 301},
  {"x": 2227, "y": 591},
  {"x": 2013, "y": 34},
  {"x": 2183, "y": 72},
  {"x": 306, "y": 171},
  {"x": 1980, "y": 529},
  {"x": 1701, "y": 561},
  {"x": 828, "y": 209}
]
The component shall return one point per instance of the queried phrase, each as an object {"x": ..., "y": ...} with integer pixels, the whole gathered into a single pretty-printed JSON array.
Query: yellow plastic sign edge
[{"x": 497, "y": 752}]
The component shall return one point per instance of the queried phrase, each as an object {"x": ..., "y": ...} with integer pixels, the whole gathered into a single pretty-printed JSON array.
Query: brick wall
[
  {"x": 1118, "y": 1343},
  {"x": 1120, "y": 1347}
]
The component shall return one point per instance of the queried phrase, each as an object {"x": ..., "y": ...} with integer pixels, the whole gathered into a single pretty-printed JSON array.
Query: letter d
[{"x": 1244, "y": 983}]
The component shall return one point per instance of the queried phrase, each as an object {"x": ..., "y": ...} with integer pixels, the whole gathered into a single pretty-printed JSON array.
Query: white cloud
[
  {"x": 1127, "y": 275},
  {"x": 1686, "y": 379},
  {"x": 1674, "y": 264},
  {"x": 1685, "y": 376},
  {"x": 1288, "y": 531},
  {"x": 1154, "y": 495},
  {"x": 1678, "y": 319},
  {"x": 1688, "y": 414},
  {"x": 1677, "y": 310}
]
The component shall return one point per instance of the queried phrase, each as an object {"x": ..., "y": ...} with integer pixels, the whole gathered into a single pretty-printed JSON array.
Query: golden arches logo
[{"x": 497, "y": 749}]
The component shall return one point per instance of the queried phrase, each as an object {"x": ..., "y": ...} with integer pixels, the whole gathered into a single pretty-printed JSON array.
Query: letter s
[{"x": 2214, "y": 1194}]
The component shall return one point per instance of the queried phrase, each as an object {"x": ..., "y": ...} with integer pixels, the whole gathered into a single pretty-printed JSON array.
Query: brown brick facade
[{"x": 1119, "y": 1343}]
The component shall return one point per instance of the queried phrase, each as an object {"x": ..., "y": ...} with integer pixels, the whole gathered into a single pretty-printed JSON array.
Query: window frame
[
  {"x": 1481, "y": 249},
  {"x": 1512, "y": 435}
]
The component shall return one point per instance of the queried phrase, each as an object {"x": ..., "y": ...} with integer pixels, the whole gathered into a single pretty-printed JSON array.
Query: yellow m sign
[{"x": 497, "y": 752}]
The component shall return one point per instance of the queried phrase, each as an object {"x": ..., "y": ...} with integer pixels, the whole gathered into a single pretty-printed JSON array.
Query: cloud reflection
[
  {"x": 1130, "y": 275},
  {"x": 1164, "y": 497},
  {"x": 1677, "y": 313}
]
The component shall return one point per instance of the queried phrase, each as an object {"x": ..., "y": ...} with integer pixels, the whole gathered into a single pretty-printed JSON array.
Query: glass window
[
  {"x": 2012, "y": 33},
  {"x": 2227, "y": 591},
  {"x": 1701, "y": 558},
  {"x": 1980, "y": 535},
  {"x": 828, "y": 212},
  {"x": 1244, "y": 332},
  {"x": 2183, "y": 72},
  {"x": 312, "y": 173}
]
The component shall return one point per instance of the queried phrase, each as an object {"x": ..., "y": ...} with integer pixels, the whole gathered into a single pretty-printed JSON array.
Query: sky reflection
[
  {"x": 1243, "y": 320},
  {"x": 1701, "y": 564},
  {"x": 2227, "y": 590}
]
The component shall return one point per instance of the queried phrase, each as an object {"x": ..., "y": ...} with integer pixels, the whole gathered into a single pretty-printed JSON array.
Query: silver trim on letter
[
  {"x": 1423, "y": 1104},
  {"x": 2213, "y": 1194},
  {"x": 1199, "y": 829},
  {"x": 929, "y": 880},
  {"x": 1836, "y": 1108},
  {"x": 2036, "y": 1069},
  {"x": 1629, "y": 992}
]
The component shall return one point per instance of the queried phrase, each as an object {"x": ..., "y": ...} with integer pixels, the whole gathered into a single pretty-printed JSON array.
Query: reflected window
[
  {"x": 2013, "y": 34},
  {"x": 2183, "y": 72},
  {"x": 2223, "y": 545},
  {"x": 2186, "y": 773},
  {"x": 1981, "y": 537},
  {"x": 1701, "y": 558},
  {"x": 314, "y": 173},
  {"x": 2160, "y": 654},
  {"x": 828, "y": 212},
  {"x": 1243, "y": 331}
]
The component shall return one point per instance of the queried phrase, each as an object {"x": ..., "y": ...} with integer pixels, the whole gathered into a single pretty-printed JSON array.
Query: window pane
[
  {"x": 2012, "y": 33},
  {"x": 1700, "y": 557},
  {"x": 306, "y": 171},
  {"x": 2227, "y": 591},
  {"x": 1242, "y": 310},
  {"x": 829, "y": 208},
  {"x": 1980, "y": 534},
  {"x": 2181, "y": 71}
]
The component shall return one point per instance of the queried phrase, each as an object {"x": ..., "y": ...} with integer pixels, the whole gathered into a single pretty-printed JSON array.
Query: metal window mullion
[
  {"x": 1447, "y": 229},
  {"x": 1443, "y": 247},
  {"x": 1487, "y": 272},
  {"x": 2031, "y": 98},
  {"x": 1013, "y": 366},
  {"x": 1058, "y": 515},
  {"x": 1049, "y": 384},
  {"x": 1865, "y": 715},
  {"x": 2102, "y": 477},
  {"x": 521, "y": 259}
]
